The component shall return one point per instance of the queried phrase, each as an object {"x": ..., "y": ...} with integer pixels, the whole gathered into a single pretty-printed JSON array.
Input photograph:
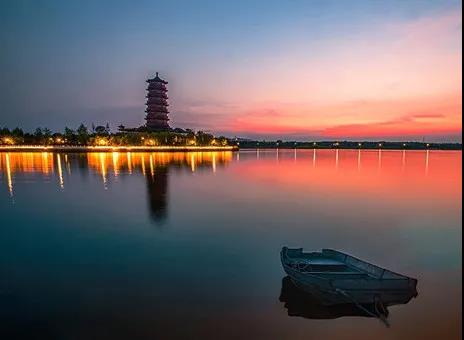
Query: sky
[{"x": 292, "y": 70}]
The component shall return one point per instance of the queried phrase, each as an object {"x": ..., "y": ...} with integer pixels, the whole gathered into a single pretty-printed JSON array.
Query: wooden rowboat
[{"x": 334, "y": 277}]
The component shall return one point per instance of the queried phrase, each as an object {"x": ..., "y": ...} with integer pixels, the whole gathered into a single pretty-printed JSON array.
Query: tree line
[{"x": 102, "y": 135}]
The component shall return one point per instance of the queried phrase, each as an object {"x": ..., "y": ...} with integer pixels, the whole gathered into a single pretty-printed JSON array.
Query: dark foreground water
[{"x": 186, "y": 245}]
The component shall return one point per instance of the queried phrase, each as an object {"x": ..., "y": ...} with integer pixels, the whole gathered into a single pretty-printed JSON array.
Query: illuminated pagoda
[{"x": 157, "y": 105}]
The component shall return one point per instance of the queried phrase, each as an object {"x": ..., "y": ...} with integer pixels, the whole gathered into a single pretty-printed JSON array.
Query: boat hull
[{"x": 331, "y": 289}]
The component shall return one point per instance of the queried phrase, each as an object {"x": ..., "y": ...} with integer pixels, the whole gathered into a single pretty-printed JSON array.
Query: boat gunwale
[
  {"x": 374, "y": 277},
  {"x": 339, "y": 278},
  {"x": 401, "y": 276}
]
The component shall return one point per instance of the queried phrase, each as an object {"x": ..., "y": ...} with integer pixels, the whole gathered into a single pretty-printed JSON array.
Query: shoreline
[
  {"x": 83, "y": 149},
  {"x": 55, "y": 148},
  {"x": 351, "y": 148}
]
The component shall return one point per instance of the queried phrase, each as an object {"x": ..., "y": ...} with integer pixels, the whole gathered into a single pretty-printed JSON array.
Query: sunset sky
[{"x": 262, "y": 69}]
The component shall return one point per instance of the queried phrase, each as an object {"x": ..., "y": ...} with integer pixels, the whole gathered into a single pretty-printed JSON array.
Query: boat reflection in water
[
  {"x": 309, "y": 304},
  {"x": 300, "y": 303}
]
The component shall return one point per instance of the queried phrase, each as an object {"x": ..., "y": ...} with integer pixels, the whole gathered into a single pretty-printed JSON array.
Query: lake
[{"x": 186, "y": 245}]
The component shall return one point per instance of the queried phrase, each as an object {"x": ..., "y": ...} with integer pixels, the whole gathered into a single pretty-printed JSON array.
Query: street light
[{"x": 8, "y": 140}]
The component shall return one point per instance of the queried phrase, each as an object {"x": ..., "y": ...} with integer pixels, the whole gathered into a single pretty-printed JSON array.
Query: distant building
[{"x": 157, "y": 105}]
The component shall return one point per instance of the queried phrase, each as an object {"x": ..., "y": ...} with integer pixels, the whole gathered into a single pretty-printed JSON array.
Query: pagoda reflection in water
[
  {"x": 108, "y": 166},
  {"x": 157, "y": 191},
  {"x": 155, "y": 167}
]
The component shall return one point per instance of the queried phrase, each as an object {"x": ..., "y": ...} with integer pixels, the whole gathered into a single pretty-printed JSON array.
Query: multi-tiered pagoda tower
[{"x": 157, "y": 104}]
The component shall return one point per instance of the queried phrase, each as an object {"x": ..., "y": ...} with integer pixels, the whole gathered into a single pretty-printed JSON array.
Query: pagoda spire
[{"x": 157, "y": 104}]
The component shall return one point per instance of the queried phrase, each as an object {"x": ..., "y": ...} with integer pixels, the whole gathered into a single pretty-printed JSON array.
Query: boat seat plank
[
  {"x": 326, "y": 262},
  {"x": 337, "y": 273}
]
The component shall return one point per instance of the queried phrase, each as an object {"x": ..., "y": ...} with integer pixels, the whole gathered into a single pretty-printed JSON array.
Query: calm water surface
[{"x": 167, "y": 245}]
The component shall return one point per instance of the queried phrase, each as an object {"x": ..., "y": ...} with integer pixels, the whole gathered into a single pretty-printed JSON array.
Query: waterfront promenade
[{"x": 69, "y": 148}]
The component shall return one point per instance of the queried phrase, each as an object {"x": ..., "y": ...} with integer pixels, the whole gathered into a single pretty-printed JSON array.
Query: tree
[
  {"x": 17, "y": 132},
  {"x": 38, "y": 136},
  {"x": 38, "y": 133},
  {"x": 204, "y": 138},
  {"x": 47, "y": 132},
  {"x": 100, "y": 130},
  {"x": 4, "y": 132},
  {"x": 190, "y": 133},
  {"x": 82, "y": 130},
  {"x": 68, "y": 132},
  {"x": 47, "y": 136},
  {"x": 82, "y": 134},
  {"x": 69, "y": 135},
  {"x": 222, "y": 140}
]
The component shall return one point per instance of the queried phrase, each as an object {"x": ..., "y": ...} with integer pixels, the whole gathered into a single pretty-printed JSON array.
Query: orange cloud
[{"x": 372, "y": 119}]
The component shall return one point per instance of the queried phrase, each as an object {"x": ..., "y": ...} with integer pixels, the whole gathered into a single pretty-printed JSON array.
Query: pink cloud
[{"x": 396, "y": 79}]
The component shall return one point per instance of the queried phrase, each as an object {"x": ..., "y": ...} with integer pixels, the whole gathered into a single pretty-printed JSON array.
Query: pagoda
[{"x": 157, "y": 105}]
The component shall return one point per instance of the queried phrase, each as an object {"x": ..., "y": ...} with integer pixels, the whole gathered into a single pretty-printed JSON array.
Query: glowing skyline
[{"x": 305, "y": 70}]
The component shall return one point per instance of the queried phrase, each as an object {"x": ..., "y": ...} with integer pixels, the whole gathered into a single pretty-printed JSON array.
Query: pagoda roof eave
[{"x": 156, "y": 79}]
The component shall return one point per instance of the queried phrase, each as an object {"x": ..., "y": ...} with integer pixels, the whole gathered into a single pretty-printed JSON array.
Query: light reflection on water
[{"x": 151, "y": 241}]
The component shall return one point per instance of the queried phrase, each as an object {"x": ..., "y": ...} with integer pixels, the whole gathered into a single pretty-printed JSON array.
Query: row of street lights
[{"x": 336, "y": 144}]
